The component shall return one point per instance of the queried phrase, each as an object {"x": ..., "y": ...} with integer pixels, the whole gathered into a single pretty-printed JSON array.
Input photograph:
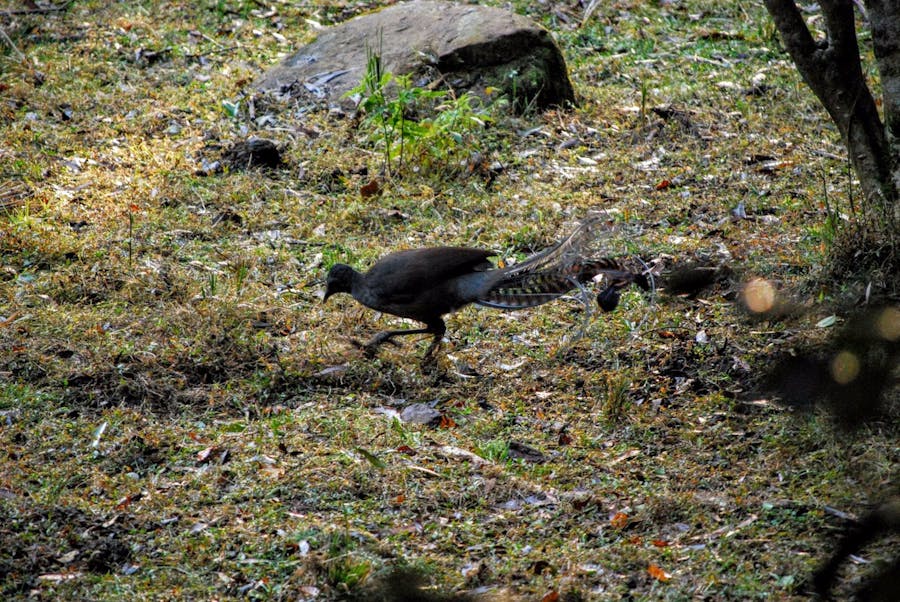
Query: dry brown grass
[{"x": 182, "y": 417}]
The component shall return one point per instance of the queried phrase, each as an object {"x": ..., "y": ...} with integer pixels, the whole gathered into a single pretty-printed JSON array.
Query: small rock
[
  {"x": 476, "y": 48},
  {"x": 420, "y": 413}
]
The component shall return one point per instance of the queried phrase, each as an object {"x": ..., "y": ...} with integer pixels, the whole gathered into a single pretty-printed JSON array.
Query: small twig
[
  {"x": 827, "y": 155},
  {"x": 589, "y": 11},
  {"x": 12, "y": 45},
  {"x": 220, "y": 50},
  {"x": 213, "y": 40}
]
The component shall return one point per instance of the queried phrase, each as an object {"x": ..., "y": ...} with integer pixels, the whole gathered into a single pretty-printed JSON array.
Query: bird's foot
[
  {"x": 429, "y": 362},
  {"x": 370, "y": 348},
  {"x": 432, "y": 367},
  {"x": 431, "y": 353}
]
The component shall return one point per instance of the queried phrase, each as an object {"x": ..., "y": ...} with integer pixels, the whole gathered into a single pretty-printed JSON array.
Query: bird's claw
[
  {"x": 381, "y": 338},
  {"x": 364, "y": 347},
  {"x": 370, "y": 348}
]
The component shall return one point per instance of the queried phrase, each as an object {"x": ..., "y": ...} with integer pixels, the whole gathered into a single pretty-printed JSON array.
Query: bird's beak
[{"x": 326, "y": 294}]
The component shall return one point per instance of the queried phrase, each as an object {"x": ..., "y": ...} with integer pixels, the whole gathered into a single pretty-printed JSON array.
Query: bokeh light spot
[
  {"x": 888, "y": 324},
  {"x": 759, "y": 295},
  {"x": 844, "y": 367}
]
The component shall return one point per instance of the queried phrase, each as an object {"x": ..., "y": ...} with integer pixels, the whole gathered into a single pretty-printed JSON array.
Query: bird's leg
[
  {"x": 387, "y": 337},
  {"x": 438, "y": 328}
]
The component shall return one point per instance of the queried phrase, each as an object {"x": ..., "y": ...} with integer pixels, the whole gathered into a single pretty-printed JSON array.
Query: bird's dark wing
[{"x": 409, "y": 273}]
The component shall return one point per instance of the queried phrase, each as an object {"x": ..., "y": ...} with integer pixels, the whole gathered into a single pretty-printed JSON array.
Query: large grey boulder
[{"x": 461, "y": 46}]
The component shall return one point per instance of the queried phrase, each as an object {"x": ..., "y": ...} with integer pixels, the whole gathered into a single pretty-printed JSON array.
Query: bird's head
[{"x": 339, "y": 280}]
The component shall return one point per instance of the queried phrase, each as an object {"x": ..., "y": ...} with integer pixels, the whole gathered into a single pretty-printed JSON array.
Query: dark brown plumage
[{"x": 426, "y": 284}]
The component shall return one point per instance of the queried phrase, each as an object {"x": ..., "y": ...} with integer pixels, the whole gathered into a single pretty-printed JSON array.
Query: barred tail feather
[
  {"x": 553, "y": 272},
  {"x": 566, "y": 252},
  {"x": 513, "y": 301},
  {"x": 527, "y": 291},
  {"x": 521, "y": 289}
]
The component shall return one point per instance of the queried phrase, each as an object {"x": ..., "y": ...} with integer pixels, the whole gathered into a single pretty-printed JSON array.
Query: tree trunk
[
  {"x": 884, "y": 17},
  {"x": 833, "y": 70}
]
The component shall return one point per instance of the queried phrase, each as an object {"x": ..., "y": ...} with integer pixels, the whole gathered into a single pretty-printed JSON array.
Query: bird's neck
[{"x": 357, "y": 282}]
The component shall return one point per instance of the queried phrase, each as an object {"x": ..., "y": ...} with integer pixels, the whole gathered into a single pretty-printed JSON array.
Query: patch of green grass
[
  {"x": 417, "y": 130},
  {"x": 235, "y": 406}
]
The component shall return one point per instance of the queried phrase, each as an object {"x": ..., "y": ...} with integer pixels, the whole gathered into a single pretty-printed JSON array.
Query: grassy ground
[{"x": 183, "y": 418}]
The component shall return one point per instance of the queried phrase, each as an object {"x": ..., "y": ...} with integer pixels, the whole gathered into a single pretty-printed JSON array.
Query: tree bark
[
  {"x": 832, "y": 69},
  {"x": 884, "y": 16}
]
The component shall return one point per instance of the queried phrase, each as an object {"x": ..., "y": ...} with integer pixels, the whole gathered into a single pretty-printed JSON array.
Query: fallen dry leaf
[
  {"x": 658, "y": 574},
  {"x": 619, "y": 520}
]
